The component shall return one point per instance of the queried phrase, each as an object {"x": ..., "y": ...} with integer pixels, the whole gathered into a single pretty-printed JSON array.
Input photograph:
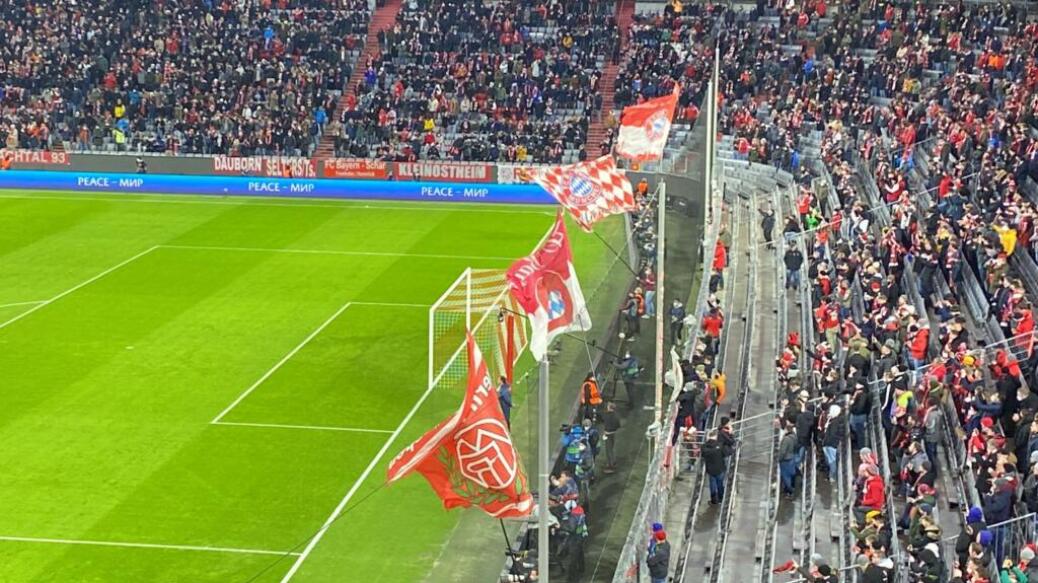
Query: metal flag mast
[{"x": 543, "y": 472}]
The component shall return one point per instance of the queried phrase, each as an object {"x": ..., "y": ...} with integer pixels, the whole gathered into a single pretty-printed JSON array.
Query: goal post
[{"x": 479, "y": 301}]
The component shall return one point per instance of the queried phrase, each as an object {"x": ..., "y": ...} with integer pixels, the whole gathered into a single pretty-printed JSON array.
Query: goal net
[{"x": 479, "y": 301}]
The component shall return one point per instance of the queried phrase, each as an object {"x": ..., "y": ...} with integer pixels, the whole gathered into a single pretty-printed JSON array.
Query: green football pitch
[{"x": 191, "y": 387}]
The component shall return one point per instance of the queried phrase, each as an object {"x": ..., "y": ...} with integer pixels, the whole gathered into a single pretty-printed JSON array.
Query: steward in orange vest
[{"x": 590, "y": 396}]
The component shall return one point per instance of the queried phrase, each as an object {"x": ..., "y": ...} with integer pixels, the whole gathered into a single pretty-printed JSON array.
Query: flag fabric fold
[
  {"x": 468, "y": 458},
  {"x": 644, "y": 128},
  {"x": 589, "y": 190},
  {"x": 545, "y": 285}
]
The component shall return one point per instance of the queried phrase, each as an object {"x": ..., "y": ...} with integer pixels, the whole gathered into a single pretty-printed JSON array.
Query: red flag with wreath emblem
[{"x": 469, "y": 459}]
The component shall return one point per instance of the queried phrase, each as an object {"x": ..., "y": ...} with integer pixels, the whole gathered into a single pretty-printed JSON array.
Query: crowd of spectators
[
  {"x": 505, "y": 81},
  {"x": 935, "y": 104},
  {"x": 236, "y": 77}
]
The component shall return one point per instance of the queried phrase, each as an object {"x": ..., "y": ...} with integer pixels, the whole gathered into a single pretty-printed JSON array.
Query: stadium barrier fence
[{"x": 687, "y": 175}]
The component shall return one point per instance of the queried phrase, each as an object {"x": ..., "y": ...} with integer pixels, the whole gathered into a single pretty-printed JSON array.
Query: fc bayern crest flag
[
  {"x": 545, "y": 285},
  {"x": 589, "y": 190},
  {"x": 469, "y": 459},
  {"x": 644, "y": 128}
]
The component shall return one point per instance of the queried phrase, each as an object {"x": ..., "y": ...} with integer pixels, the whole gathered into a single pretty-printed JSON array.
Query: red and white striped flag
[
  {"x": 589, "y": 190},
  {"x": 644, "y": 128}
]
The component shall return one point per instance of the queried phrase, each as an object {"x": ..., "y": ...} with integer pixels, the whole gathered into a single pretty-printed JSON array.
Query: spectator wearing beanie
[
  {"x": 975, "y": 524},
  {"x": 658, "y": 560}
]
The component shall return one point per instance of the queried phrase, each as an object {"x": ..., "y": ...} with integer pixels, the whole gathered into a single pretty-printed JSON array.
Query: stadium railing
[{"x": 663, "y": 463}]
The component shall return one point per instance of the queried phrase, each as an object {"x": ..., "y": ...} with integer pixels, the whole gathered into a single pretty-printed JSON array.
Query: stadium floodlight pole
[
  {"x": 543, "y": 470},
  {"x": 661, "y": 245}
]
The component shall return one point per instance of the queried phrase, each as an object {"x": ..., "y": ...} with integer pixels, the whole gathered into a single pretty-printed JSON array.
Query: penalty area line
[
  {"x": 311, "y": 427},
  {"x": 76, "y": 287},
  {"x": 353, "y": 489},
  {"x": 133, "y": 545},
  {"x": 12, "y": 305},
  {"x": 280, "y": 363}
]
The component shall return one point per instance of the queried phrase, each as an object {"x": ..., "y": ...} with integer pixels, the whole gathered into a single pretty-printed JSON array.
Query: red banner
[
  {"x": 444, "y": 171},
  {"x": 514, "y": 174},
  {"x": 274, "y": 166},
  {"x": 19, "y": 157},
  {"x": 355, "y": 168}
]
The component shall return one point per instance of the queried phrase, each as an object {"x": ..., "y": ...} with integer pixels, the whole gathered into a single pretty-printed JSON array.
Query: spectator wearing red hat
[{"x": 658, "y": 560}]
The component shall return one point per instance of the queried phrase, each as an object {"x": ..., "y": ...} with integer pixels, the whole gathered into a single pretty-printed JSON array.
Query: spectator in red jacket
[
  {"x": 713, "y": 322},
  {"x": 873, "y": 494}
]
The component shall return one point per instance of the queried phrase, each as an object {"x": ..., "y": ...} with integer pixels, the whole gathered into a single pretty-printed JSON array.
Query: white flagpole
[
  {"x": 661, "y": 243},
  {"x": 543, "y": 472}
]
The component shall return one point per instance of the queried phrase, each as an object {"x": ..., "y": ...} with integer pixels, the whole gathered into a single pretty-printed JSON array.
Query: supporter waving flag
[
  {"x": 644, "y": 128},
  {"x": 469, "y": 459},
  {"x": 589, "y": 190},
  {"x": 545, "y": 285}
]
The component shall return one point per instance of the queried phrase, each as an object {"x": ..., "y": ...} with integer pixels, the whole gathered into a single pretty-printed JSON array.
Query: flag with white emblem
[
  {"x": 644, "y": 128},
  {"x": 588, "y": 190},
  {"x": 545, "y": 285},
  {"x": 469, "y": 458}
]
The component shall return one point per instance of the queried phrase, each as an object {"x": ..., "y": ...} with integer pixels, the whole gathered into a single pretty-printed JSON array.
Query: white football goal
[{"x": 479, "y": 301}]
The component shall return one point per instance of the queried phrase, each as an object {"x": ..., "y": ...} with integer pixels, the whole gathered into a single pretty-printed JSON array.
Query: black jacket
[
  {"x": 659, "y": 562},
  {"x": 834, "y": 433},
  {"x": 793, "y": 259},
  {"x": 714, "y": 456}
]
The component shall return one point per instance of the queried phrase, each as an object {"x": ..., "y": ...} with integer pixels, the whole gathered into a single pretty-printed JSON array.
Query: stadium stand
[
  {"x": 508, "y": 81},
  {"x": 197, "y": 77},
  {"x": 932, "y": 147}
]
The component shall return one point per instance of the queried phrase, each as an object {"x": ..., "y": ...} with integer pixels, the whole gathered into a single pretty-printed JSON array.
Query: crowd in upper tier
[
  {"x": 510, "y": 81},
  {"x": 191, "y": 77}
]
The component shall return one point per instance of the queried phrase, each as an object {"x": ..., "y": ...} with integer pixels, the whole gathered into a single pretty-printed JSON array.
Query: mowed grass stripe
[
  {"x": 45, "y": 251},
  {"x": 108, "y": 394},
  {"x": 369, "y": 205},
  {"x": 108, "y": 417},
  {"x": 364, "y": 369}
]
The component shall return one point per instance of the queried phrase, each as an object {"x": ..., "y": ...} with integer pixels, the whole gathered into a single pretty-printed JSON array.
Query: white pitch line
[
  {"x": 281, "y": 362},
  {"x": 386, "y": 304},
  {"x": 242, "y": 201},
  {"x": 77, "y": 286},
  {"x": 21, "y": 304},
  {"x": 100, "y": 543},
  {"x": 335, "y": 252},
  {"x": 353, "y": 490},
  {"x": 314, "y": 427}
]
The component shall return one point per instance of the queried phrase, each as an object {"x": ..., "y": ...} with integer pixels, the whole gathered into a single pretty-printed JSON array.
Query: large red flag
[
  {"x": 469, "y": 459},
  {"x": 545, "y": 285},
  {"x": 589, "y": 190},
  {"x": 644, "y": 128}
]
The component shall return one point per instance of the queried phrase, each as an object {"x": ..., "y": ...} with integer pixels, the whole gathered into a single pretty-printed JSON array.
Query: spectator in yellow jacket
[{"x": 1007, "y": 236}]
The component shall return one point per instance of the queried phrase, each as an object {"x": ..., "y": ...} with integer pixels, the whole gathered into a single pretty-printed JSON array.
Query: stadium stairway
[
  {"x": 598, "y": 132},
  {"x": 382, "y": 19}
]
